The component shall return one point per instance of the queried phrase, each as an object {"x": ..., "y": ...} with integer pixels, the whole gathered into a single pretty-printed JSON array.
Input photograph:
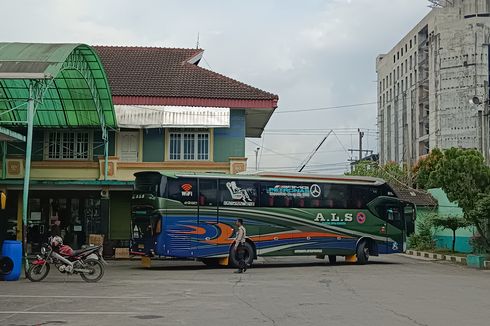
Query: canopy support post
[
  {"x": 4, "y": 160},
  {"x": 27, "y": 168},
  {"x": 106, "y": 152}
]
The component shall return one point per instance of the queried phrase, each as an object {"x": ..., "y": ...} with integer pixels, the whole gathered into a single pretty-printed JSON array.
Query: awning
[
  {"x": 17, "y": 184},
  {"x": 73, "y": 90},
  {"x": 155, "y": 116}
]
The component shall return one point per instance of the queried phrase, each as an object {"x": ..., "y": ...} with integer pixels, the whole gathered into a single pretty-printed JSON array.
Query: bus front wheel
[
  {"x": 362, "y": 253},
  {"x": 248, "y": 254},
  {"x": 332, "y": 259}
]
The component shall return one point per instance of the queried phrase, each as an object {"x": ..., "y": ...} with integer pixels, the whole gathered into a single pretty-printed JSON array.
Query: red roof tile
[
  {"x": 414, "y": 196},
  {"x": 169, "y": 72}
]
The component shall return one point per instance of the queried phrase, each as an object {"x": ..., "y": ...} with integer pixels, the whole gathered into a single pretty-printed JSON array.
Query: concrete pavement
[{"x": 392, "y": 290}]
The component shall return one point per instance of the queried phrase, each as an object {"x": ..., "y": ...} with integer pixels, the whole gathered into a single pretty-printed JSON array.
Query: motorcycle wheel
[
  {"x": 97, "y": 271},
  {"x": 37, "y": 273}
]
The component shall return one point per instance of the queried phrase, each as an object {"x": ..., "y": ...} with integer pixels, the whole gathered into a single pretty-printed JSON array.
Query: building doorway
[{"x": 73, "y": 215}]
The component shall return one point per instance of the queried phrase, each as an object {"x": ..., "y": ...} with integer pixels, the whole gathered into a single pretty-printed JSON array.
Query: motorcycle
[{"x": 87, "y": 262}]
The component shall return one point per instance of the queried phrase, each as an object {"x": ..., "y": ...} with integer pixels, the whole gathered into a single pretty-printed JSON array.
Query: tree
[
  {"x": 479, "y": 216},
  {"x": 452, "y": 223},
  {"x": 391, "y": 171},
  {"x": 425, "y": 166},
  {"x": 465, "y": 178}
]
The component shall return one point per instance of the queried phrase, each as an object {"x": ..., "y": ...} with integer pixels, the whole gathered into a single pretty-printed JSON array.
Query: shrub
[
  {"x": 478, "y": 244},
  {"x": 423, "y": 240}
]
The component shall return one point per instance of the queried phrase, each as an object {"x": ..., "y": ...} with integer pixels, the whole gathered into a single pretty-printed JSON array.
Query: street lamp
[{"x": 257, "y": 158}]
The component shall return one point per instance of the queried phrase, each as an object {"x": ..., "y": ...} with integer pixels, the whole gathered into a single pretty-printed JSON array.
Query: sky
[{"x": 312, "y": 53}]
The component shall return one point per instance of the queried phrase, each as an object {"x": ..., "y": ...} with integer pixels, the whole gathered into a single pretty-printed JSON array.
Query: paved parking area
[{"x": 393, "y": 290}]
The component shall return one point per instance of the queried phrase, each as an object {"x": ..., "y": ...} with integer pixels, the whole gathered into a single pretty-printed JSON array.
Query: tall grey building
[{"x": 433, "y": 84}]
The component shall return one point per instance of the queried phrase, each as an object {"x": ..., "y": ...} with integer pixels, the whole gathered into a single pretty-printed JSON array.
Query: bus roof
[{"x": 278, "y": 176}]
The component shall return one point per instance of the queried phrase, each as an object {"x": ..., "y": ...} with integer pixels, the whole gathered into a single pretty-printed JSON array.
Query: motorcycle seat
[{"x": 83, "y": 250}]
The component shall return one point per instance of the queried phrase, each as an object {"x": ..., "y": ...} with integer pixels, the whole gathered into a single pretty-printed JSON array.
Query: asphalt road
[{"x": 392, "y": 290}]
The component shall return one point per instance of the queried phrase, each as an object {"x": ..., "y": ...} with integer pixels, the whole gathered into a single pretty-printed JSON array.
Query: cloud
[{"x": 314, "y": 53}]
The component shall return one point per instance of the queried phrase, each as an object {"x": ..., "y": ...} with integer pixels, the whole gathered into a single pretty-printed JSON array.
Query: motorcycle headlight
[{"x": 43, "y": 250}]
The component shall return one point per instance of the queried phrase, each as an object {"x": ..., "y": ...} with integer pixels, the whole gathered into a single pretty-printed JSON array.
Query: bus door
[
  {"x": 410, "y": 216},
  {"x": 207, "y": 216},
  {"x": 390, "y": 211},
  {"x": 181, "y": 218},
  {"x": 395, "y": 228}
]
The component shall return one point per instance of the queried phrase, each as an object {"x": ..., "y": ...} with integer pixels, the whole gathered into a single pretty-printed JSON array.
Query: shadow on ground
[{"x": 191, "y": 266}]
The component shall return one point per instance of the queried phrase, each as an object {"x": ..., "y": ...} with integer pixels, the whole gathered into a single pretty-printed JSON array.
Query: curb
[{"x": 454, "y": 259}]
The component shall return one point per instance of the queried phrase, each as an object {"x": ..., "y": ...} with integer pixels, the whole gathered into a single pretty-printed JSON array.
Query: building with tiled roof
[
  {"x": 167, "y": 114},
  {"x": 417, "y": 197},
  {"x": 149, "y": 76},
  {"x": 169, "y": 73}
]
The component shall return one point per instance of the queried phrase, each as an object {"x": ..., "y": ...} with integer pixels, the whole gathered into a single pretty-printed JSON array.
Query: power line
[
  {"x": 341, "y": 144},
  {"x": 328, "y": 108},
  {"x": 298, "y": 133},
  {"x": 272, "y": 151},
  {"x": 301, "y": 153},
  {"x": 317, "y": 165},
  {"x": 325, "y": 129}
]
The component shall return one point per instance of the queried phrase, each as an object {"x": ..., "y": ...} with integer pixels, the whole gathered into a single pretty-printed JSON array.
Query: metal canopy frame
[{"x": 52, "y": 86}]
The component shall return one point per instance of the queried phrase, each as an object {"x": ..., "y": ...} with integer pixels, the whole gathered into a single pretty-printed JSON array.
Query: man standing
[{"x": 240, "y": 246}]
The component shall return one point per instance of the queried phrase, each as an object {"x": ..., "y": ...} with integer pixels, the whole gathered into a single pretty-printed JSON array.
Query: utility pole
[
  {"x": 257, "y": 158},
  {"x": 361, "y": 151},
  {"x": 361, "y": 135}
]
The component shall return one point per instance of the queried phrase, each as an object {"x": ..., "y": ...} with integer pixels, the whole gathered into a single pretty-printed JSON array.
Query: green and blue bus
[{"x": 189, "y": 215}]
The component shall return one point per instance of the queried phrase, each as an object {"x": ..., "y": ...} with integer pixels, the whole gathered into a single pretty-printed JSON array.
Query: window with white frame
[
  {"x": 189, "y": 145},
  {"x": 68, "y": 145}
]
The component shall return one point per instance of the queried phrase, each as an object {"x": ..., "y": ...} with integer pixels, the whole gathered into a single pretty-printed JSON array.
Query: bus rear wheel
[
  {"x": 248, "y": 255},
  {"x": 362, "y": 253}
]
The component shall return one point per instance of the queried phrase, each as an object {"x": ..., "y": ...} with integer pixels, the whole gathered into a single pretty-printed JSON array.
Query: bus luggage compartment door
[{"x": 179, "y": 234}]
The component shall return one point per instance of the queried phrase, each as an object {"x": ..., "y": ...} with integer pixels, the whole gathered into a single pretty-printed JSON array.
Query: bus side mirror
[{"x": 3, "y": 200}]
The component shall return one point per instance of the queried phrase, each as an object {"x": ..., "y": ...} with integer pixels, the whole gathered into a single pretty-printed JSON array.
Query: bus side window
[
  {"x": 283, "y": 194},
  {"x": 266, "y": 199},
  {"x": 208, "y": 190},
  {"x": 183, "y": 190},
  {"x": 238, "y": 193},
  {"x": 336, "y": 196},
  {"x": 393, "y": 215},
  {"x": 362, "y": 195},
  {"x": 389, "y": 214}
]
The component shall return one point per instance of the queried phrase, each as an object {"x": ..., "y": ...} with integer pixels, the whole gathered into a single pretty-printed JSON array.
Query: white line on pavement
[
  {"x": 68, "y": 297},
  {"x": 69, "y": 313}
]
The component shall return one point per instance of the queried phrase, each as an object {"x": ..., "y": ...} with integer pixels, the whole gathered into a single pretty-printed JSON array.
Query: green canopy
[
  {"x": 51, "y": 86},
  {"x": 67, "y": 81}
]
